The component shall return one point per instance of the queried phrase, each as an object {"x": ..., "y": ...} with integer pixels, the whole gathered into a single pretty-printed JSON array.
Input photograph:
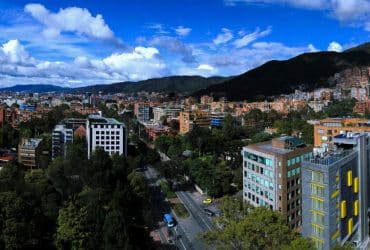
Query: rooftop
[
  {"x": 31, "y": 143},
  {"x": 98, "y": 119}
]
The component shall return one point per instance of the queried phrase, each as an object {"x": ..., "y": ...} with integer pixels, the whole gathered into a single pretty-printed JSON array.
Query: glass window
[
  {"x": 317, "y": 177},
  {"x": 317, "y": 191},
  {"x": 317, "y": 204}
]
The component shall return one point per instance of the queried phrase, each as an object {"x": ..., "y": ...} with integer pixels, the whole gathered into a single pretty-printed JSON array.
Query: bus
[{"x": 168, "y": 220}]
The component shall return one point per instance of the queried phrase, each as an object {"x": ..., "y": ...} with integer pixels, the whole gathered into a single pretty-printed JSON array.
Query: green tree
[
  {"x": 244, "y": 227},
  {"x": 73, "y": 231}
]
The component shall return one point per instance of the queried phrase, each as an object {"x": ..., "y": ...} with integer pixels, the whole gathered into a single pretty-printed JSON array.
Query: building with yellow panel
[{"x": 335, "y": 190}]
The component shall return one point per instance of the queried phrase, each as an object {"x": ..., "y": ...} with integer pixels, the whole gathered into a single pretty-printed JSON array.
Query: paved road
[
  {"x": 195, "y": 210},
  {"x": 161, "y": 207}
]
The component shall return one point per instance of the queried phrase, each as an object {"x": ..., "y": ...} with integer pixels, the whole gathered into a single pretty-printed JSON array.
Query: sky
[{"x": 85, "y": 42}]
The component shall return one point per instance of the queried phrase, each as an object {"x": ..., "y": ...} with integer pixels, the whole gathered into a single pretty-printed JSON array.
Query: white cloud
[
  {"x": 312, "y": 48},
  {"x": 335, "y": 46},
  {"x": 158, "y": 28},
  {"x": 71, "y": 19},
  {"x": 14, "y": 53},
  {"x": 182, "y": 31},
  {"x": 349, "y": 11},
  {"x": 138, "y": 64},
  {"x": 247, "y": 39},
  {"x": 174, "y": 45},
  {"x": 205, "y": 67},
  {"x": 225, "y": 36}
]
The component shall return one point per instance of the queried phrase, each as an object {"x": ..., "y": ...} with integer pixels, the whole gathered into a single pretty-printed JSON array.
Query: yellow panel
[
  {"x": 343, "y": 209},
  {"x": 350, "y": 226},
  {"x": 355, "y": 185},
  {"x": 349, "y": 178},
  {"x": 335, "y": 235},
  {"x": 334, "y": 194},
  {"x": 355, "y": 208}
]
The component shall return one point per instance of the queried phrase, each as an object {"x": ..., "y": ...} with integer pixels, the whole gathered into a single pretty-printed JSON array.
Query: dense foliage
[{"x": 75, "y": 203}]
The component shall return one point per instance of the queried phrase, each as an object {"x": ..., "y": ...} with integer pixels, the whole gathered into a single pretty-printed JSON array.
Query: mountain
[
  {"x": 34, "y": 88},
  {"x": 177, "y": 84},
  {"x": 307, "y": 71}
]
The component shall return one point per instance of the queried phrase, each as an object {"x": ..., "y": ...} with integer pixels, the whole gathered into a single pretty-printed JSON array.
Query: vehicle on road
[
  {"x": 207, "y": 201},
  {"x": 169, "y": 220},
  {"x": 208, "y": 212}
]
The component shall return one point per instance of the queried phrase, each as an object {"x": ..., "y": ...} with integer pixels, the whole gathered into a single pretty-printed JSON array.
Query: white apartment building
[
  {"x": 60, "y": 138},
  {"x": 106, "y": 133}
]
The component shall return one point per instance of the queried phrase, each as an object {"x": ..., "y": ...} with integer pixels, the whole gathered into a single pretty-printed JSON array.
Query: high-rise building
[
  {"x": 142, "y": 112},
  {"x": 189, "y": 119},
  {"x": 326, "y": 129},
  {"x": 29, "y": 152},
  {"x": 61, "y": 137},
  {"x": 272, "y": 176},
  {"x": 335, "y": 193},
  {"x": 106, "y": 133}
]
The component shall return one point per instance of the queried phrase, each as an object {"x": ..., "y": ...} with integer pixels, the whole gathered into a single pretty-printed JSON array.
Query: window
[
  {"x": 317, "y": 204},
  {"x": 288, "y": 163},
  {"x": 317, "y": 177},
  {"x": 318, "y": 218},
  {"x": 320, "y": 131},
  {"x": 317, "y": 190},
  {"x": 317, "y": 231}
]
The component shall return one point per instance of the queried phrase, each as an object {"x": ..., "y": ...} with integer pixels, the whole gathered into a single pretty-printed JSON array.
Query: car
[
  {"x": 208, "y": 212},
  {"x": 207, "y": 201}
]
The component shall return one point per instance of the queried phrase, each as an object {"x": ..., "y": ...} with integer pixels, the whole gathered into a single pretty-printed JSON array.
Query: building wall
[
  {"x": 111, "y": 137},
  {"x": 282, "y": 171},
  {"x": 337, "y": 185}
]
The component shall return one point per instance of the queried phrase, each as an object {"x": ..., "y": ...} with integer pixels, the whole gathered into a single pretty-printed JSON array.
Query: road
[
  {"x": 160, "y": 207},
  {"x": 195, "y": 210}
]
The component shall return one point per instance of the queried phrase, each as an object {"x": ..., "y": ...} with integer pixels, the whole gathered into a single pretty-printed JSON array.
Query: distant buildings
[
  {"x": 217, "y": 119},
  {"x": 189, "y": 119},
  {"x": 165, "y": 112},
  {"x": 107, "y": 133},
  {"x": 335, "y": 193},
  {"x": 272, "y": 176},
  {"x": 29, "y": 152},
  {"x": 61, "y": 137},
  {"x": 326, "y": 129}
]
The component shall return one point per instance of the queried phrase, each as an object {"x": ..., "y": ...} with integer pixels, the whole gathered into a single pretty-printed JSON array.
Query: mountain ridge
[{"x": 307, "y": 71}]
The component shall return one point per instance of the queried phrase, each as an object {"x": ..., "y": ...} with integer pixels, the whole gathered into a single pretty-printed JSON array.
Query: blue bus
[{"x": 168, "y": 220}]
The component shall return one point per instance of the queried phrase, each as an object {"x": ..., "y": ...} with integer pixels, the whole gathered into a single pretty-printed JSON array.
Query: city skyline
[{"x": 78, "y": 43}]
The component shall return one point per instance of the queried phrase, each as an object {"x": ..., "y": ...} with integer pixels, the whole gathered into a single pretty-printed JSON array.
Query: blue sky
[{"x": 77, "y": 43}]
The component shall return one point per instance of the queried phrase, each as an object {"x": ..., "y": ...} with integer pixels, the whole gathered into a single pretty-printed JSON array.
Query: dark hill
[
  {"x": 177, "y": 84},
  {"x": 307, "y": 71},
  {"x": 34, "y": 88}
]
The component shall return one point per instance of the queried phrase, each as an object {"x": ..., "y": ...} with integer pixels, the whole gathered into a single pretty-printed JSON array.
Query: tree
[
  {"x": 244, "y": 227},
  {"x": 73, "y": 231}
]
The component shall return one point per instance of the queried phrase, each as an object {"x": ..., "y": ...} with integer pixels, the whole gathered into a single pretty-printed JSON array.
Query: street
[{"x": 186, "y": 232}]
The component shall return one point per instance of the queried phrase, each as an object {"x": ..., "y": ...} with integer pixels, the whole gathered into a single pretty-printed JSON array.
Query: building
[
  {"x": 106, "y": 133},
  {"x": 335, "y": 190},
  {"x": 272, "y": 176},
  {"x": 167, "y": 112},
  {"x": 326, "y": 129},
  {"x": 217, "y": 119},
  {"x": 29, "y": 152},
  {"x": 61, "y": 137},
  {"x": 189, "y": 119},
  {"x": 142, "y": 111}
]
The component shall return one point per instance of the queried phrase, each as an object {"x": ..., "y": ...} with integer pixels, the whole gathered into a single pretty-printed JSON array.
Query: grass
[
  {"x": 167, "y": 190},
  {"x": 180, "y": 210}
]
